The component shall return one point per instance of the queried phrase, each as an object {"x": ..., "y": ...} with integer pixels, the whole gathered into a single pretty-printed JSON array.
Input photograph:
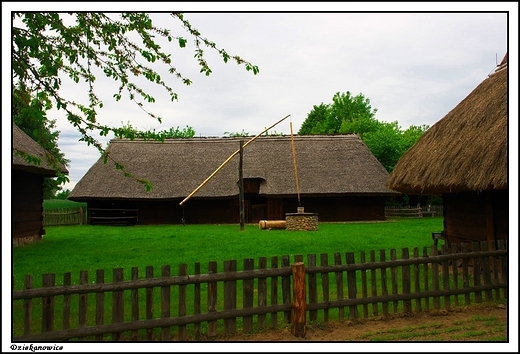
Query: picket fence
[
  {"x": 149, "y": 308},
  {"x": 56, "y": 217}
]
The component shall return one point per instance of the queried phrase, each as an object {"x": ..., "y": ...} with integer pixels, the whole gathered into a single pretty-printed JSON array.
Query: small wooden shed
[
  {"x": 27, "y": 188},
  {"x": 463, "y": 157}
]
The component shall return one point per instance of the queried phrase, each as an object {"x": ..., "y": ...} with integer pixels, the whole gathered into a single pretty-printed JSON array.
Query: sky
[
  {"x": 413, "y": 61},
  {"x": 413, "y": 67}
]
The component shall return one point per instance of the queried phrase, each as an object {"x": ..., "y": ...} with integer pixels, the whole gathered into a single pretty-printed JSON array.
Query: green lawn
[
  {"x": 61, "y": 204},
  {"x": 91, "y": 247}
]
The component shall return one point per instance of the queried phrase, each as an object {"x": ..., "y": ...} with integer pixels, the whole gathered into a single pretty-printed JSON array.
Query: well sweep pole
[{"x": 228, "y": 159}]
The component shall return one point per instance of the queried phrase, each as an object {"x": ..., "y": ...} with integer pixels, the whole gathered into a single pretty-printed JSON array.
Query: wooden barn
[
  {"x": 339, "y": 178},
  {"x": 463, "y": 157},
  {"x": 27, "y": 188}
]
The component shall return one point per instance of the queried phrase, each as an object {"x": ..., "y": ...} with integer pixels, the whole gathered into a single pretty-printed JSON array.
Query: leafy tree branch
[{"x": 123, "y": 47}]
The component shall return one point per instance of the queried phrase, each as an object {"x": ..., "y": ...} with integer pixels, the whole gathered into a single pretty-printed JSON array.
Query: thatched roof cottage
[
  {"x": 463, "y": 157},
  {"x": 339, "y": 178},
  {"x": 27, "y": 188}
]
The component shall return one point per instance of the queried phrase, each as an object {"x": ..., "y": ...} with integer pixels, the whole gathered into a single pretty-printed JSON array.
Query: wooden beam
[
  {"x": 241, "y": 186},
  {"x": 229, "y": 159}
]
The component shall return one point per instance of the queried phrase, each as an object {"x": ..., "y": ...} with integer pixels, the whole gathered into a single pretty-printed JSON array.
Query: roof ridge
[{"x": 228, "y": 139}]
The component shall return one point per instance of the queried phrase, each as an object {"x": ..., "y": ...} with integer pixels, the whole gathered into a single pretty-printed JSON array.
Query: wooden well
[{"x": 301, "y": 221}]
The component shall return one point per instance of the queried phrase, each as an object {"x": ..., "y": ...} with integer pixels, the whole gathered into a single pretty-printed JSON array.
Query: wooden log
[
  {"x": 299, "y": 306},
  {"x": 271, "y": 224}
]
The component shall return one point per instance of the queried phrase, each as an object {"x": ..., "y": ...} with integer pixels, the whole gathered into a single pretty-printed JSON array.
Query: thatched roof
[
  {"x": 326, "y": 165},
  {"x": 24, "y": 144},
  {"x": 464, "y": 151}
]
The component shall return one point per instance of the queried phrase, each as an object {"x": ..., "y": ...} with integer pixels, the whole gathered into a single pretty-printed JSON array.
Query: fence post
[{"x": 298, "y": 327}]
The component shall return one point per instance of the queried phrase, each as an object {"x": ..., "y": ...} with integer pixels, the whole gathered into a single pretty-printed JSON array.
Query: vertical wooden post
[
  {"x": 135, "y": 302},
  {"x": 48, "y": 280},
  {"x": 117, "y": 303},
  {"x": 149, "y": 303},
  {"x": 100, "y": 302},
  {"x": 241, "y": 185},
  {"x": 212, "y": 299},
  {"x": 165, "y": 303},
  {"x": 183, "y": 271},
  {"x": 27, "y": 306},
  {"x": 298, "y": 327},
  {"x": 490, "y": 220},
  {"x": 83, "y": 302},
  {"x": 196, "y": 304}
]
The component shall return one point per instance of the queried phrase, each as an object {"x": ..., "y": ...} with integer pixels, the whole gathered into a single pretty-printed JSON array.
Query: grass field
[
  {"x": 61, "y": 204},
  {"x": 91, "y": 247}
]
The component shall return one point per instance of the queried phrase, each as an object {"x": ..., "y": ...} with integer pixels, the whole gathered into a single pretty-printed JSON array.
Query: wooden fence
[
  {"x": 413, "y": 212},
  {"x": 167, "y": 307},
  {"x": 55, "y": 217}
]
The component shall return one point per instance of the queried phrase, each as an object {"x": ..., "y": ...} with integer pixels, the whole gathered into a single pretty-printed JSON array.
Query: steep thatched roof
[
  {"x": 464, "y": 151},
  {"x": 24, "y": 144},
  {"x": 326, "y": 165}
]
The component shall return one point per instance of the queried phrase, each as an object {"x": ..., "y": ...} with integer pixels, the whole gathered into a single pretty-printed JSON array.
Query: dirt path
[{"x": 474, "y": 323}]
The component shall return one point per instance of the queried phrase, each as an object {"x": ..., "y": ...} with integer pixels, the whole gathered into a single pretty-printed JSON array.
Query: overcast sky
[{"x": 413, "y": 67}]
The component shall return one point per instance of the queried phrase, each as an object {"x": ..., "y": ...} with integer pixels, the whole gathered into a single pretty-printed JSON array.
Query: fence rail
[
  {"x": 144, "y": 307},
  {"x": 413, "y": 212},
  {"x": 55, "y": 217}
]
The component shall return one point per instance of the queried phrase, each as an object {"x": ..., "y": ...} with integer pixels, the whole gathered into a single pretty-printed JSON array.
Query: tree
[
  {"x": 63, "y": 194},
  {"x": 349, "y": 114},
  {"x": 315, "y": 120},
  {"x": 338, "y": 116},
  {"x": 385, "y": 143},
  {"x": 122, "y": 47},
  {"x": 30, "y": 116}
]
